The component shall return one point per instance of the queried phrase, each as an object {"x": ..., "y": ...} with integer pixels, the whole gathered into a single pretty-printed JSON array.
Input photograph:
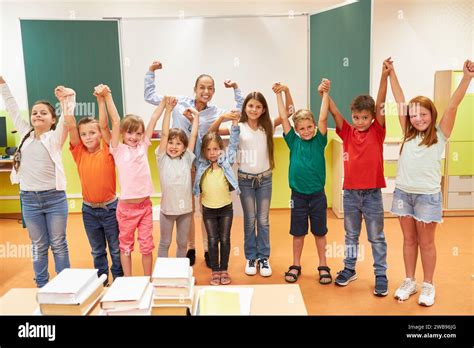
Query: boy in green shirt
[{"x": 307, "y": 176}]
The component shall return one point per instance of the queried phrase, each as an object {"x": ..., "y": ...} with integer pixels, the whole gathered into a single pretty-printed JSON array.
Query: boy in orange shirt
[{"x": 89, "y": 145}]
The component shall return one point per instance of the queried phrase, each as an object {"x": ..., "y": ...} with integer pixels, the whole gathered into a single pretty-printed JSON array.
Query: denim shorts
[
  {"x": 312, "y": 206},
  {"x": 422, "y": 207}
]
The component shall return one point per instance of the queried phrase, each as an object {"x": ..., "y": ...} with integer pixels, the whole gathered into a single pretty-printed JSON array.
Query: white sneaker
[
  {"x": 405, "y": 290},
  {"x": 427, "y": 295},
  {"x": 265, "y": 269},
  {"x": 251, "y": 267}
]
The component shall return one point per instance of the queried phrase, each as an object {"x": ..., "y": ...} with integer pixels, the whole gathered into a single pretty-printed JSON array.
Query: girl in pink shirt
[{"x": 134, "y": 210}]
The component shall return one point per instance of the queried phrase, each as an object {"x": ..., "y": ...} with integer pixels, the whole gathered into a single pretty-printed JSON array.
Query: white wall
[
  {"x": 256, "y": 52},
  {"x": 422, "y": 37}
]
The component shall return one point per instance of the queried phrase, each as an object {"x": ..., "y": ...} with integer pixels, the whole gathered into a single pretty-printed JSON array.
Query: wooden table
[{"x": 275, "y": 299}]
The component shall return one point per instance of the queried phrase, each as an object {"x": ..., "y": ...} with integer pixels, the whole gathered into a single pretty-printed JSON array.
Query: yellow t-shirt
[{"x": 215, "y": 189}]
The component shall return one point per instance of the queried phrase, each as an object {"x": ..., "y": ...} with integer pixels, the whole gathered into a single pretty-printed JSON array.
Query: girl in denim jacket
[{"x": 214, "y": 181}]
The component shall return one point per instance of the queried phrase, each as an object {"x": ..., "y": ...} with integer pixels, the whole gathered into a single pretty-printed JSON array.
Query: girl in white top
[
  {"x": 39, "y": 171},
  {"x": 175, "y": 157},
  {"x": 417, "y": 197},
  {"x": 255, "y": 159}
]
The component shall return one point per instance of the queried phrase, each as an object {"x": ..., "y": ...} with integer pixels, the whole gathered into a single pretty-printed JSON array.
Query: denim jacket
[{"x": 225, "y": 161}]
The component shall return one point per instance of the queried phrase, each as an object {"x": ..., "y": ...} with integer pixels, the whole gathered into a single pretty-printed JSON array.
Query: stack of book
[
  {"x": 173, "y": 286},
  {"x": 72, "y": 292},
  {"x": 128, "y": 296}
]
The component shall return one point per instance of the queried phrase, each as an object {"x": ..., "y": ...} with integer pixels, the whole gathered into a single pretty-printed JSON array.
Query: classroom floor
[{"x": 453, "y": 277}]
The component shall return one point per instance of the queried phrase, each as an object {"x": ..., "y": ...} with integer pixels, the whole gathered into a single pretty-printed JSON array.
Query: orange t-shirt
[{"x": 96, "y": 171}]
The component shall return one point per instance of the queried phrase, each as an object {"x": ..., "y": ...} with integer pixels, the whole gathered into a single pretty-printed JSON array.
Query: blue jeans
[
  {"x": 255, "y": 196},
  {"x": 45, "y": 214},
  {"x": 369, "y": 204},
  {"x": 102, "y": 229}
]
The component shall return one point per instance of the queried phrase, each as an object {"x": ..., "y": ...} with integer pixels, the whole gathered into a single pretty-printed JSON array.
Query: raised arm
[
  {"x": 194, "y": 130},
  {"x": 282, "y": 114},
  {"x": 150, "y": 95},
  {"x": 399, "y": 97},
  {"x": 67, "y": 99},
  {"x": 114, "y": 117},
  {"x": 167, "y": 105},
  {"x": 290, "y": 108},
  {"x": 323, "y": 113},
  {"x": 103, "y": 117},
  {"x": 233, "y": 141},
  {"x": 239, "y": 99},
  {"x": 332, "y": 107},
  {"x": 227, "y": 116},
  {"x": 447, "y": 122},
  {"x": 69, "y": 119},
  {"x": 156, "y": 116},
  {"x": 21, "y": 125},
  {"x": 382, "y": 93}
]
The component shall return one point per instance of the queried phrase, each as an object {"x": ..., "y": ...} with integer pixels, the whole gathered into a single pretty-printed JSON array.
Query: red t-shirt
[{"x": 363, "y": 156}]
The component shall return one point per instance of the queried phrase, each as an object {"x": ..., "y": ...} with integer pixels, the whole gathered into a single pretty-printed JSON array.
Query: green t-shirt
[{"x": 307, "y": 172}]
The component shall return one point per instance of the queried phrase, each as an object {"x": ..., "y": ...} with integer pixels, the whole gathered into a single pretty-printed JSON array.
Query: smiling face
[
  {"x": 133, "y": 138},
  {"x": 361, "y": 120},
  {"x": 254, "y": 109},
  {"x": 420, "y": 118},
  {"x": 204, "y": 89},
  {"x": 175, "y": 147},
  {"x": 42, "y": 117},
  {"x": 305, "y": 129},
  {"x": 90, "y": 136}
]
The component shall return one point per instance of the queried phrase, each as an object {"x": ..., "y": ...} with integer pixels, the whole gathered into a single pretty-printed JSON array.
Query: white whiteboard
[{"x": 254, "y": 51}]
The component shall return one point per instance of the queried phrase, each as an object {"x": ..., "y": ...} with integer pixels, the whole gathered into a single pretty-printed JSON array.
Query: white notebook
[
  {"x": 142, "y": 308},
  {"x": 67, "y": 286},
  {"x": 125, "y": 292},
  {"x": 173, "y": 271}
]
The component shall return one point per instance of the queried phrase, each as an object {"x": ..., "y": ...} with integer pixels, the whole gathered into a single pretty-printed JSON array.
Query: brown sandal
[
  {"x": 225, "y": 278},
  {"x": 215, "y": 278}
]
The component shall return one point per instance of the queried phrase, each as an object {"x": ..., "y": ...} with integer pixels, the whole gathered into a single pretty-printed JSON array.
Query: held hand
[
  {"x": 468, "y": 69},
  {"x": 278, "y": 88},
  {"x": 230, "y": 84},
  {"x": 387, "y": 66},
  {"x": 101, "y": 90},
  {"x": 190, "y": 113},
  {"x": 62, "y": 92},
  {"x": 170, "y": 103},
  {"x": 156, "y": 65},
  {"x": 324, "y": 86}
]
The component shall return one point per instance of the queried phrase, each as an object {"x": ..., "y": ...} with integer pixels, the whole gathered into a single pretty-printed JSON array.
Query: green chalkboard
[
  {"x": 340, "y": 51},
  {"x": 73, "y": 53}
]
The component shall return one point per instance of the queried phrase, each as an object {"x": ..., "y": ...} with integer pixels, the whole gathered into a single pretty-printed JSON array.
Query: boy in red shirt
[{"x": 363, "y": 180}]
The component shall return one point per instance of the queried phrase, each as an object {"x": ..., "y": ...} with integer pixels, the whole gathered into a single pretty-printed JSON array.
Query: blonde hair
[
  {"x": 302, "y": 115},
  {"x": 131, "y": 123}
]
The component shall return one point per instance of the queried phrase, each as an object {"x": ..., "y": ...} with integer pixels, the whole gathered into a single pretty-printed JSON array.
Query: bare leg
[
  {"x": 426, "y": 240},
  {"x": 298, "y": 243},
  {"x": 410, "y": 245},
  {"x": 147, "y": 262},
  {"x": 126, "y": 261}
]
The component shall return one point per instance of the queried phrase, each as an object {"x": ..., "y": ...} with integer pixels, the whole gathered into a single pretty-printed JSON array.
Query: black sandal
[
  {"x": 324, "y": 276},
  {"x": 293, "y": 275}
]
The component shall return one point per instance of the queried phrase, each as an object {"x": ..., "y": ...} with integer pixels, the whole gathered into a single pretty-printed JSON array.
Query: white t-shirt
[
  {"x": 175, "y": 180},
  {"x": 252, "y": 156},
  {"x": 419, "y": 167},
  {"x": 37, "y": 169}
]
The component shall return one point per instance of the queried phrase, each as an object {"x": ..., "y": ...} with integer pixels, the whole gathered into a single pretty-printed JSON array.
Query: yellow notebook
[{"x": 219, "y": 303}]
